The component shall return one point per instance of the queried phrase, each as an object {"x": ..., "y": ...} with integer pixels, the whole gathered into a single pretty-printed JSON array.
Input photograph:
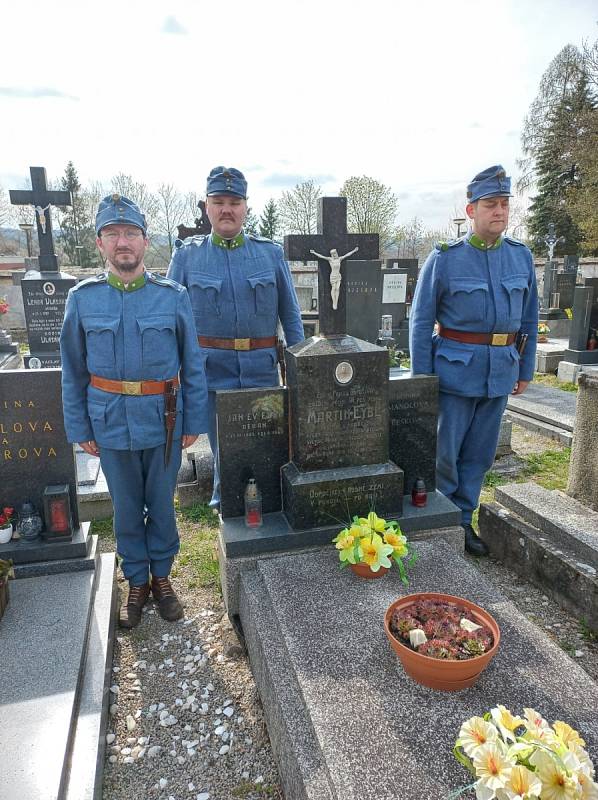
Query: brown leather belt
[
  {"x": 468, "y": 337},
  {"x": 131, "y": 387},
  {"x": 237, "y": 344}
]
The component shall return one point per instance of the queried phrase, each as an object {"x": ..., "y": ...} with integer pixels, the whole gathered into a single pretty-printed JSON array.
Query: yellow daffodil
[
  {"x": 374, "y": 552},
  {"x": 556, "y": 783},
  {"x": 398, "y": 543},
  {"x": 492, "y": 767},
  {"x": 506, "y": 722},
  {"x": 475, "y": 733},
  {"x": 345, "y": 542},
  {"x": 567, "y": 734},
  {"x": 523, "y": 784},
  {"x": 373, "y": 522}
]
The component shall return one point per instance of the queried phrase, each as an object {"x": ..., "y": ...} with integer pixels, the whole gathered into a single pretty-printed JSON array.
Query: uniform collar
[
  {"x": 115, "y": 281},
  {"x": 479, "y": 244},
  {"x": 228, "y": 244}
]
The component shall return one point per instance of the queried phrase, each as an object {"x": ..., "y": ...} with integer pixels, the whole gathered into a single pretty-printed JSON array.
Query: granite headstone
[
  {"x": 363, "y": 304},
  {"x": 253, "y": 442},
  {"x": 44, "y": 299}
]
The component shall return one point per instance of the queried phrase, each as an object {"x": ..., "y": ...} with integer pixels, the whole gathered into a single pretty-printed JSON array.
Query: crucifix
[
  {"x": 41, "y": 198},
  {"x": 332, "y": 238},
  {"x": 551, "y": 240}
]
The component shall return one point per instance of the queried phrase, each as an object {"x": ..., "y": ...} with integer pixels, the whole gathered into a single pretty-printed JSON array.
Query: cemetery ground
[{"x": 163, "y": 667}]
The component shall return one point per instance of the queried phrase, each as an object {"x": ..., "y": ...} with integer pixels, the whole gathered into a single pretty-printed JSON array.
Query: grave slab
[
  {"x": 44, "y": 633},
  {"x": 553, "y": 406},
  {"x": 329, "y": 679}
]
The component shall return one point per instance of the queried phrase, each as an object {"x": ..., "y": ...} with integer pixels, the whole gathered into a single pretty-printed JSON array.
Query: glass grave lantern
[{"x": 57, "y": 511}]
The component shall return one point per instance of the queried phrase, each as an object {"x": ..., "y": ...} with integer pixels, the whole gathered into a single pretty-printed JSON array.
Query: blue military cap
[
  {"x": 492, "y": 182},
  {"x": 226, "y": 180},
  {"x": 116, "y": 209}
]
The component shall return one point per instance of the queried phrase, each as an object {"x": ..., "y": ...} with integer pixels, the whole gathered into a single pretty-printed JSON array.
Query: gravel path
[{"x": 186, "y": 721}]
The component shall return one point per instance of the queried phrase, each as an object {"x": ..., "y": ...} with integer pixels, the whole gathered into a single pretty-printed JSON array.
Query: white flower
[
  {"x": 475, "y": 733},
  {"x": 493, "y": 769},
  {"x": 523, "y": 784}
]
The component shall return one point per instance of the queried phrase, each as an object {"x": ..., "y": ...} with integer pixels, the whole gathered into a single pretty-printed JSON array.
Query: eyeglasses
[{"x": 114, "y": 236}]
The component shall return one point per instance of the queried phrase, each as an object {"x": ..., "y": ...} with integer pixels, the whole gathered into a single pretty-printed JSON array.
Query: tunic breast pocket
[
  {"x": 263, "y": 287},
  {"x": 158, "y": 340},
  {"x": 515, "y": 286},
  {"x": 100, "y": 338},
  {"x": 468, "y": 299},
  {"x": 204, "y": 291}
]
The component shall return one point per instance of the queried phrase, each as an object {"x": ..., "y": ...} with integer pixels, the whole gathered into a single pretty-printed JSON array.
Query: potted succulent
[
  {"x": 543, "y": 331},
  {"x": 443, "y": 642},
  {"x": 524, "y": 757},
  {"x": 6, "y": 572},
  {"x": 6, "y": 517},
  {"x": 370, "y": 545}
]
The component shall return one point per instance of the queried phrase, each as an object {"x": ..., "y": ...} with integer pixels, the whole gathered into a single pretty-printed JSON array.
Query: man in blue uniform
[
  {"x": 481, "y": 290},
  {"x": 240, "y": 288},
  {"x": 130, "y": 363}
]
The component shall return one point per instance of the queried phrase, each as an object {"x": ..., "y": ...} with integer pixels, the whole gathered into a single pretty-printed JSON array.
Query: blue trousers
[
  {"x": 468, "y": 430},
  {"x": 142, "y": 491}
]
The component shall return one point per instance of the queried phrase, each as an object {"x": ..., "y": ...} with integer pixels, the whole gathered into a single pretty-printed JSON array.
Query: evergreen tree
[
  {"x": 251, "y": 223},
  {"x": 269, "y": 221},
  {"x": 76, "y": 223}
]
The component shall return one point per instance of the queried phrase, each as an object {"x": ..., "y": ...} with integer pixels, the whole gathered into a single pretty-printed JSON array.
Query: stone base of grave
[
  {"x": 549, "y": 354},
  {"x": 581, "y": 356},
  {"x": 344, "y": 720},
  {"x": 46, "y": 558},
  {"x": 318, "y": 497},
  {"x": 57, "y": 637},
  {"x": 568, "y": 372},
  {"x": 239, "y": 547},
  {"x": 550, "y": 539}
]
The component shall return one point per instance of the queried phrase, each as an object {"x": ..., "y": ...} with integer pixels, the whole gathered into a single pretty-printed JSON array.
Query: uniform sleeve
[
  {"x": 289, "y": 312},
  {"x": 176, "y": 269},
  {"x": 75, "y": 377},
  {"x": 193, "y": 377},
  {"x": 529, "y": 325},
  {"x": 423, "y": 317}
]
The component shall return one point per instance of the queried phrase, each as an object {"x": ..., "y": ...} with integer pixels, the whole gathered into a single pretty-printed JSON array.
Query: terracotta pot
[
  {"x": 542, "y": 337},
  {"x": 437, "y": 673},
  {"x": 364, "y": 571}
]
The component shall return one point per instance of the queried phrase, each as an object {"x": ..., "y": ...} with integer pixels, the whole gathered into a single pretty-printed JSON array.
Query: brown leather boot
[
  {"x": 130, "y": 612},
  {"x": 168, "y": 603}
]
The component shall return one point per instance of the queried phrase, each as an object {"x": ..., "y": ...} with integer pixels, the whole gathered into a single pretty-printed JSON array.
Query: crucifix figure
[
  {"x": 41, "y": 198},
  {"x": 335, "y": 271},
  {"x": 551, "y": 240},
  {"x": 332, "y": 237}
]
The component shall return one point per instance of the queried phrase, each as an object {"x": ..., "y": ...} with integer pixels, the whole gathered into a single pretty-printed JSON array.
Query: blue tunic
[{"x": 238, "y": 292}]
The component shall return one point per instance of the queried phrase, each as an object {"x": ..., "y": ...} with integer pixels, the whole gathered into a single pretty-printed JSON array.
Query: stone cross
[
  {"x": 332, "y": 235},
  {"x": 41, "y": 198}
]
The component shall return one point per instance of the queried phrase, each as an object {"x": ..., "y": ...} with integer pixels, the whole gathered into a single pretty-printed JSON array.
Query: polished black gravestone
[
  {"x": 394, "y": 302},
  {"x": 44, "y": 299},
  {"x": 363, "y": 292},
  {"x": 413, "y": 408},
  {"x": 34, "y": 453},
  {"x": 253, "y": 442},
  {"x": 585, "y": 319},
  {"x": 338, "y": 398},
  {"x": 411, "y": 266},
  {"x": 564, "y": 288},
  {"x": 332, "y": 235}
]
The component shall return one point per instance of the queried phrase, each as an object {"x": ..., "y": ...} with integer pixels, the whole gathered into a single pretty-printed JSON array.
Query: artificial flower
[
  {"x": 567, "y": 734},
  {"x": 398, "y": 543},
  {"x": 492, "y": 767},
  {"x": 475, "y": 733},
  {"x": 506, "y": 722},
  {"x": 374, "y": 552},
  {"x": 345, "y": 542},
  {"x": 523, "y": 784},
  {"x": 373, "y": 521},
  {"x": 373, "y": 540},
  {"x": 556, "y": 783}
]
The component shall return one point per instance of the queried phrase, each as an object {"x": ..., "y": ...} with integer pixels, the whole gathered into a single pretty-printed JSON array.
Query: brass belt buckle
[
  {"x": 500, "y": 338},
  {"x": 242, "y": 344},
  {"x": 131, "y": 387}
]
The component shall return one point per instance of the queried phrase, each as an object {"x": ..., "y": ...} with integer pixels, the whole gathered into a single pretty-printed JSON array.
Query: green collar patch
[
  {"x": 228, "y": 244},
  {"x": 475, "y": 241},
  {"x": 115, "y": 281}
]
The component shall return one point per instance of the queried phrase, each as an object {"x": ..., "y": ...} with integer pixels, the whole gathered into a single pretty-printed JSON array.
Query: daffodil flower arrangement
[
  {"x": 524, "y": 758},
  {"x": 373, "y": 541},
  {"x": 543, "y": 329}
]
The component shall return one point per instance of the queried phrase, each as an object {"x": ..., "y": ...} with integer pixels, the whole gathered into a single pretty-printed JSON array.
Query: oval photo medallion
[{"x": 343, "y": 372}]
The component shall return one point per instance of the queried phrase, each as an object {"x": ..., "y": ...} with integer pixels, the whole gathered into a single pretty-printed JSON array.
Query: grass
[
  {"x": 551, "y": 381},
  {"x": 246, "y": 788},
  {"x": 198, "y": 527},
  {"x": 102, "y": 528}
]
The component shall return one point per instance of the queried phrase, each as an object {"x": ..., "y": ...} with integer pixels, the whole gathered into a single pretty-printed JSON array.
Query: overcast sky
[{"x": 419, "y": 95}]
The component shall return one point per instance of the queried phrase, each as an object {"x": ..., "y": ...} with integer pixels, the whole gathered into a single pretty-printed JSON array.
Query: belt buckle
[
  {"x": 131, "y": 387},
  {"x": 499, "y": 339},
  {"x": 242, "y": 344}
]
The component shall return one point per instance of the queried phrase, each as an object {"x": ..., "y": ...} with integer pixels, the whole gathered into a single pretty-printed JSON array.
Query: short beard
[{"x": 128, "y": 267}]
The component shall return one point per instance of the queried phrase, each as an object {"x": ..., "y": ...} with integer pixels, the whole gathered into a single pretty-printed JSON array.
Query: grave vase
[
  {"x": 364, "y": 571},
  {"x": 5, "y": 534}
]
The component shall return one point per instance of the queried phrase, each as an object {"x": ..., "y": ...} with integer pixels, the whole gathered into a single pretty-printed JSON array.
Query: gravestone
[
  {"x": 585, "y": 320},
  {"x": 253, "y": 442},
  {"x": 411, "y": 265},
  {"x": 44, "y": 292},
  {"x": 332, "y": 234},
  {"x": 549, "y": 284},
  {"x": 564, "y": 288},
  {"x": 363, "y": 299},
  {"x": 34, "y": 453},
  {"x": 571, "y": 263},
  {"x": 413, "y": 408},
  {"x": 394, "y": 302},
  {"x": 583, "y": 472}
]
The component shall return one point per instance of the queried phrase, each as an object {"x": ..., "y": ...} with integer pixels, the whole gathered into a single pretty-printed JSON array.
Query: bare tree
[
  {"x": 371, "y": 207},
  {"x": 5, "y": 208},
  {"x": 299, "y": 208},
  {"x": 138, "y": 192},
  {"x": 170, "y": 212},
  {"x": 410, "y": 238}
]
